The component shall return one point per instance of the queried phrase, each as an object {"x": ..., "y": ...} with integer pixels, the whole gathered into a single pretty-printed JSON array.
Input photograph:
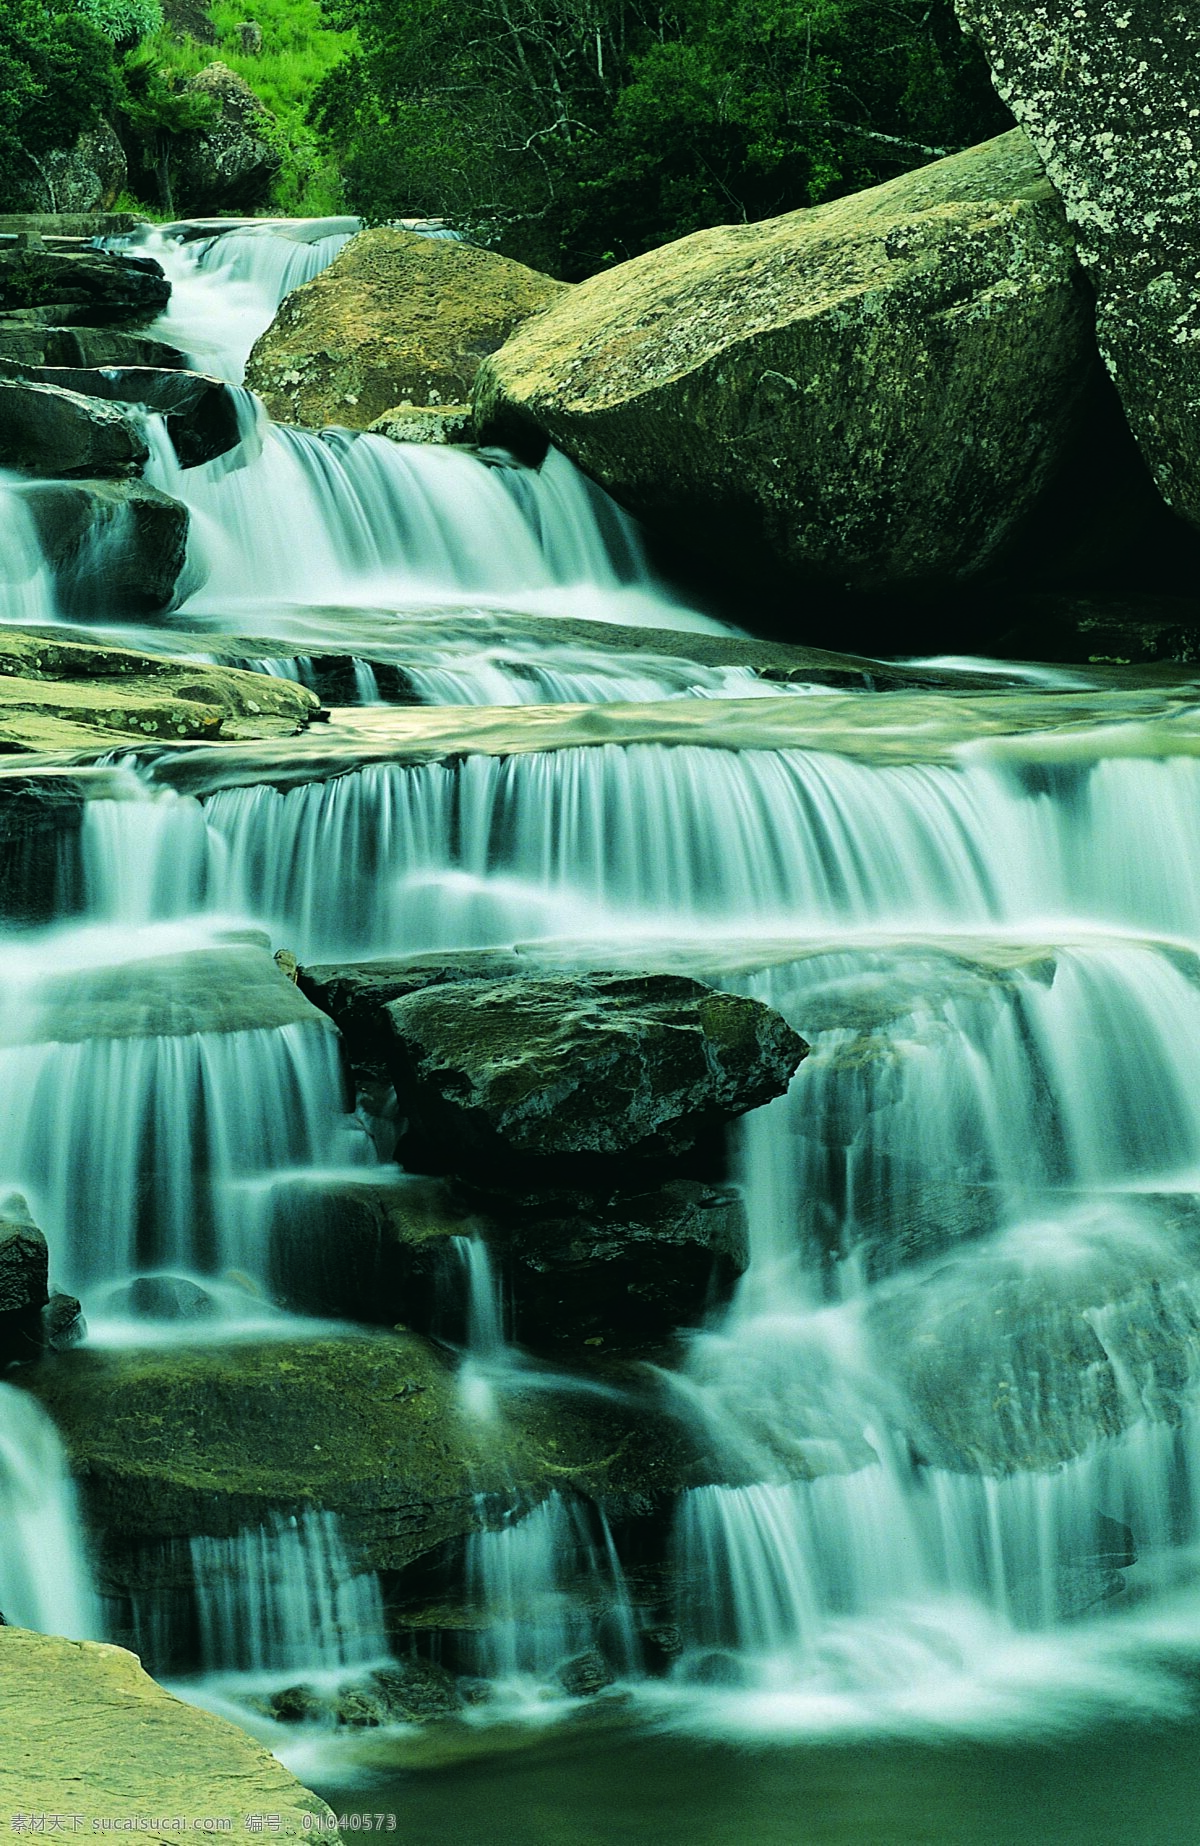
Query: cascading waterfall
[{"x": 45, "y": 1580}]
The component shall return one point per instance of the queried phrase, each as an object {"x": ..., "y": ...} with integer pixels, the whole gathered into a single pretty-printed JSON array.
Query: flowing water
[{"x": 954, "y": 1405}]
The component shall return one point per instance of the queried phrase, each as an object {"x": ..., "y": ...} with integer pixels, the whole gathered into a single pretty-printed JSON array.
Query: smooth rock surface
[
  {"x": 87, "y": 288},
  {"x": 872, "y": 393},
  {"x": 200, "y": 412},
  {"x": 1109, "y": 94},
  {"x": 579, "y": 1068},
  {"x": 397, "y": 321},
  {"x": 87, "y": 1733},
  {"x": 84, "y": 347},
  {"x": 136, "y": 570},
  {"x": 45, "y": 429}
]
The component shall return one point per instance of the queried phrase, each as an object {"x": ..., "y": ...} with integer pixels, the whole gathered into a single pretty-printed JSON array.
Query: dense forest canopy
[
  {"x": 571, "y": 133},
  {"x": 574, "y": 133}
]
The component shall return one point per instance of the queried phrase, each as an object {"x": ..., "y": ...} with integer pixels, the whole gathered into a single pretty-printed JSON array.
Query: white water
[{"x": 45, "y": 1578}]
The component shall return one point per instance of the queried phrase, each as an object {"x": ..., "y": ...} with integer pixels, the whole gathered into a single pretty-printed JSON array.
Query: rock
[
  {"x": 398, "y": 322},
  {"x": 47, "y": 430},
  {"x": 89, "y": 288},
  {"x": 354, "y": 994},
  {"x": 57, "y": 693},
  {"x": 162, "y": 1298},
  {"x": 870, "y": 393},
  {"x": 24, "y": 1264},
  {"x": 200, "y": 412},
  {"x": 250, "y": 37},
  {"x": 576, "y": 1070},
  {"x": 40, "y": 819},
  {"x": 84, "y": 178},
  {"x": 217, "y": 1439},
  {"x": 116, "y": 547},
  {"x": 88, "y": 1734},
  {"x": 63, "y": 1324},
  {"x": 1108, "y": 97},
  {"x": 231, "y": 165},
  {"x": 620, "y": 1267},
  {"x": 451, "y": 423},
  {"x": 84, "y": 347}
]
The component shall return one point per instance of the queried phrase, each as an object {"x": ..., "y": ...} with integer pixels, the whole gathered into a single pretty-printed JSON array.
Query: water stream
[{"x": 955, "y": 1401}]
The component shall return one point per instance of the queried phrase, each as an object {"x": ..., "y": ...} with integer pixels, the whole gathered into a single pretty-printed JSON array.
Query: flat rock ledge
[{"x": 89, "y": 1737}]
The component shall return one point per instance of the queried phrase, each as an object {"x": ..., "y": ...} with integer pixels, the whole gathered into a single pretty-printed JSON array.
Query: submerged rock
[
  {"x": 115, "y": 547},
  {"x": 872, "y": 392},
  {"x": 89, "y": 1734},
  {"x": 1109, "y": 98},
  {"x": 397, "y": 323},
  {"x": 579, "y": 1068}
]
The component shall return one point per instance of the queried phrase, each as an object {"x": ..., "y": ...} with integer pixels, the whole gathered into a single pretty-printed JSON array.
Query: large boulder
[
  {"x": 200, "y": 412},
  {"x": 871, "y": 393},
  {"x": 231, "y": 164},
  {"x": 217, "y": 1439},
  {"x": 397, "y": 320},
  {"x": 88, "y": 1735},
  {"x": 1110, "y": 98},
  {"x": 570, "y": 1071},
  {"x": 45, "y": 429},
  {"x": 115, "y": 547},
  {"x": 88, "y": 288},
  {"x": 85, "y": 177}
]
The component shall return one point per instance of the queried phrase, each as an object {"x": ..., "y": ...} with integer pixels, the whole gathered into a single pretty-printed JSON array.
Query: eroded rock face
[
  {"x": 88, "y": 1733},
  {"x": 200, "y": 412},
  {"x": 1110, "y": 97},
  {"x": 579, "y": 1068},
  {"x": 136, "y": 570},
  {"x": 871, "y": 393},
  {"x": 33, "y": 345},
  {"x": 24, "y": 1266},
  {"x": 397, "y": 323}
]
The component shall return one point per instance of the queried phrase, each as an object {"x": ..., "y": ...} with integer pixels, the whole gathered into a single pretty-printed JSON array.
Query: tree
[{"x": 576, "y": 132}]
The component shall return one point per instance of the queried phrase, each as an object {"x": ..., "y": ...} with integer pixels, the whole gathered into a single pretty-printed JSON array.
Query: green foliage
[
  {"x": 58, "y": 73},
  {"x": 123, "y": 22},
  {"x": 576, "y": 132}
]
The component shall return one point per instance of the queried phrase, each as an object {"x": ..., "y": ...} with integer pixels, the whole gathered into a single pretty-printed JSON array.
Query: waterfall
[
  {"x": 285, "y": 1598},
  {"x": 45, "y": 1582},
  {"x": 26, "y": 585}
]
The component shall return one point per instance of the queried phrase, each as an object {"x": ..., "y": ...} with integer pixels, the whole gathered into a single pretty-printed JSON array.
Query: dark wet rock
[
  {"x": 40, "y": 819},
  {"x": 618, "y": 1267},
  {"x": 870, "y": 393},
  {"x": 578, "y": 1069},
  {"x": 231, "y": 164},
  {"x": 84, "y": 347},
  {"x": 410, "y": 1692},
  {"x": 395, "y": 326},
  {"x": 87, "y": 288},
  {"x": 584, "y": 1675},
  {"x": 379, "y": 1253},
  {"x": 63, "y": 1324},
  {"x": 218, "y": 1439},
  {"x": 163, "y": 1298},
  {"x": 115, "y": 547},
  {"x": 200, "y": 412},
  {"x": 24, "y": 1264},
  {"x": 45, "y": 429},
  {"x": 1108, "y": 97},
  {"x": 354, "y": 994}
]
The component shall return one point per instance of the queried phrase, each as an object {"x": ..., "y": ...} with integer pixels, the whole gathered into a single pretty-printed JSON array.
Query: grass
[{"x": 297, "y": 50}]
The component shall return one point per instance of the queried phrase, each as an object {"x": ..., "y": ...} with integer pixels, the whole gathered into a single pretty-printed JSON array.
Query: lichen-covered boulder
[
  {"x": 398, "y": 321},
  {"x": 579, "y": 1069},
  {"x": 84, "y": 177},
  {"x": 1110, "y": 97},
  {"x": 872, "y": 392},
  {"x": 231, "y": 164}
]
